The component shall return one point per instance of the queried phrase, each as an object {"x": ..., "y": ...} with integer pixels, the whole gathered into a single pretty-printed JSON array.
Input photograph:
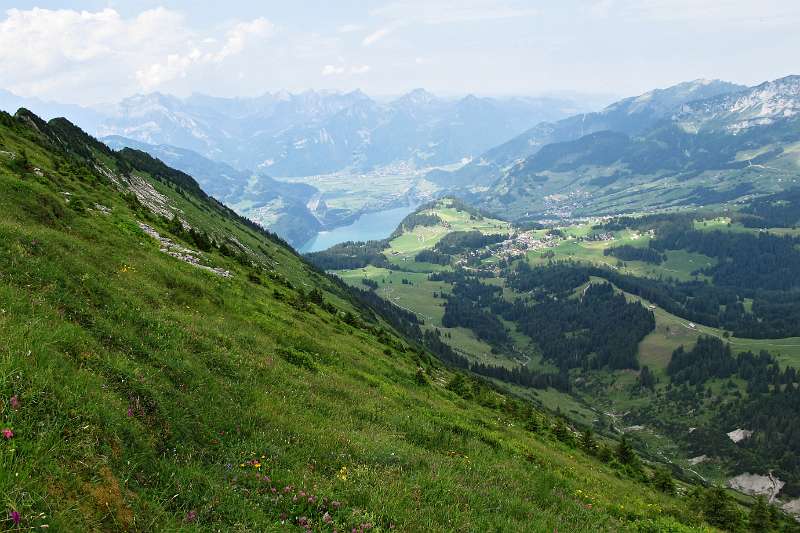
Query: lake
[{"x": 367, "y": 227}]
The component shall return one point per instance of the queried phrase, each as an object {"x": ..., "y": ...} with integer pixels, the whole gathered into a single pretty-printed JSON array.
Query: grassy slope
[{"x": 156, "y": 396}]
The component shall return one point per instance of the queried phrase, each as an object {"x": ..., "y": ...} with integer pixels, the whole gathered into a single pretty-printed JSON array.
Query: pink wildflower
[
  {"x": 327, "y": 518},
  {"x": 7, "y": 433},
  {"x": 15, "y": 517},
  {"x": 14, "y": 402}
]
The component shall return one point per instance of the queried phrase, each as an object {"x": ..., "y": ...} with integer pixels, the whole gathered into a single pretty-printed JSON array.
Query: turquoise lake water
[{"x": 367, "y": 227}]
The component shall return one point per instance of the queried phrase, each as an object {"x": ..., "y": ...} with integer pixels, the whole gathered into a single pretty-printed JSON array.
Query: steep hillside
[
  {"x": 278, "y": 206},
  {"x": 167, "y": 365}
]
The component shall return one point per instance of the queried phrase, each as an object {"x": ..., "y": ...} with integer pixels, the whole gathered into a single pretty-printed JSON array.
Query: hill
[{"x": 168, "y": 365}]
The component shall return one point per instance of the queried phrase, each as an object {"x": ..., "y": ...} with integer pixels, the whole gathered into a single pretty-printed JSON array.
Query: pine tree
[
  {"x": 662, "y": 480},
  {"x": 587, "y": 442},
  {"x": 625, "y": 453},
  {"x": 719, "y": 509},
  {"x": 760, "y": 518},
  {"x": 562, "y": 432},
  {"x": 534, "y": 423}
]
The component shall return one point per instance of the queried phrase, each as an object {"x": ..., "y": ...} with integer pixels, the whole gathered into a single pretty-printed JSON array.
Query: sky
[{"x": 99, "y": 51}]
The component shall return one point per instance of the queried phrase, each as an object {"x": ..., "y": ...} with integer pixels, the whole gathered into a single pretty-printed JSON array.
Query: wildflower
[
  {"x": 130, "y": 412},
  {"x": 327, "y": 518},
  {"x": 7, "y": 433},
  {"x": 191, "y": 516},
  {"x": 14, "y": 402},
  {"x": 15, "y": 517},
  {"x": 342, "y": 473},
  {"x": 336, "y": 504}
]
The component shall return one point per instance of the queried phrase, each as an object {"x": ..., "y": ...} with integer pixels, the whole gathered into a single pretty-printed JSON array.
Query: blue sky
[{"x": 98, "y": 51}]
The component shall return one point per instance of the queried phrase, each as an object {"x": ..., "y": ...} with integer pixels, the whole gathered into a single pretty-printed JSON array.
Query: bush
[{"x": 298, "y": 358}]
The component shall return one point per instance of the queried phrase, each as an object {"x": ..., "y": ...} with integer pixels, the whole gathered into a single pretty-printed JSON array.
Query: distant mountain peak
[
  {"x": 417, "y": 97},
  {"x": 737, "y": 111}
]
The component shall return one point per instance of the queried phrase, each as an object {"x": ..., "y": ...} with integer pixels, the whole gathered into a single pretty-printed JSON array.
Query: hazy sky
[{"x": 101, "y": 50}]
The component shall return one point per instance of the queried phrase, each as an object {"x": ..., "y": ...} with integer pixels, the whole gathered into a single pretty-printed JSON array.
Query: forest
[
  {"x": 746, "y": 262},
  {"x": 780, "y": 210},
  {"x": 458, "y": 242},
  {"x": 634, "y": 253},
  {"x": 598, "y": 329},
  {"x": 350, "y": 255}
]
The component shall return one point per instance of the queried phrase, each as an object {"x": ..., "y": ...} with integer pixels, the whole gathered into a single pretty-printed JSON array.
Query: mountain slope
[
  {"x": 278, "y": 206},
  {"x": 630, "y": 116},
  {"x": 708, "y": 152},
  {"x": 168, "y": 365}
]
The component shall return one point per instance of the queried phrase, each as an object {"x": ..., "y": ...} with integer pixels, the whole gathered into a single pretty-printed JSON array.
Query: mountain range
[
  {"x": 698, "y": 143},
  {"x": 285, "y": 134}
]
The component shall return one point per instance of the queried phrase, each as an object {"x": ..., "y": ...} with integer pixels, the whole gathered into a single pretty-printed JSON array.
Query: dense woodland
[
  {"x": 745, "y": 261},
  {"x": 459, "y": 242},
  {"x": 350, "y": 255},
  {"x": 594, "y": 329},
  {"x": 600, "y": 328},
  {"x": 635, "y": 253},
  {"x": 432, "y": 256},
  {"x": 780, "y": 210}
]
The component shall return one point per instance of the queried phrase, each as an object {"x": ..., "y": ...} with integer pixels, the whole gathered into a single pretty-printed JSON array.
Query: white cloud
[
  {"x": 92, "y": 56},
  {"x": 178, "y": 65},
  {"x": 377, "y": 35}
]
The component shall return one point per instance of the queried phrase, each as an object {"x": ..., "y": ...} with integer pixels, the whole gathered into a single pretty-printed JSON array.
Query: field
[{"x": 353, "y": 192}]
